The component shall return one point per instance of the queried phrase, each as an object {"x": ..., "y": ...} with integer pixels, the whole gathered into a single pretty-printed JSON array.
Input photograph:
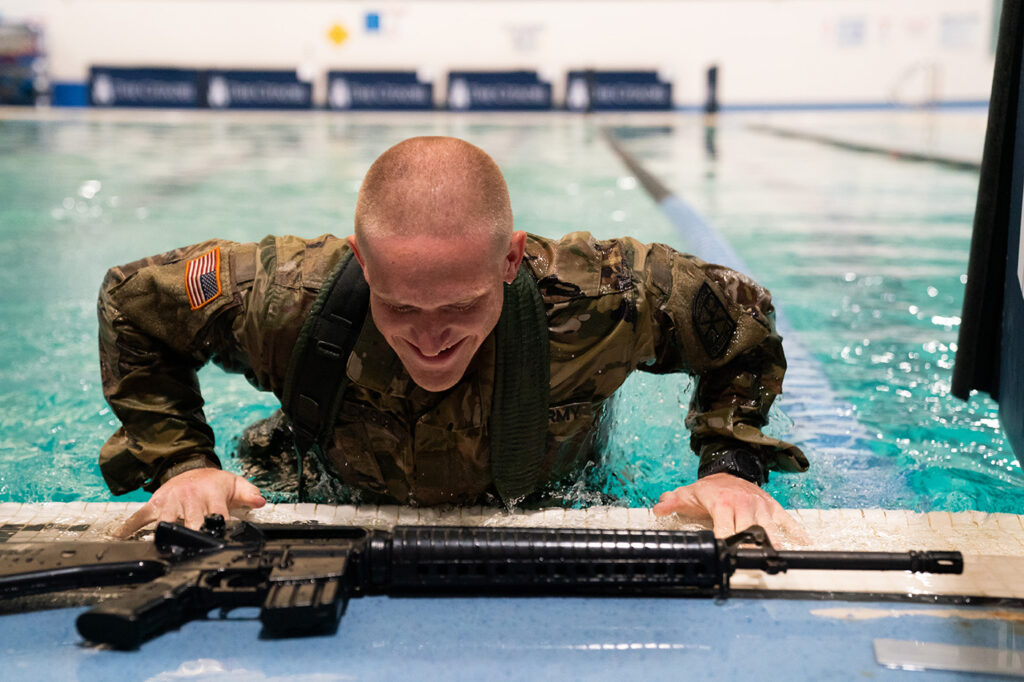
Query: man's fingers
[
  {"x": 245, "y": 494},
  {"x": 766, "y": 519},
  {"x": 666, "y": 504},
  {"x": 146, "y": 515},
  {"x": 192, "y": 496},
  {"x": 745, "y": 517},
  {"x": 195, "y": 513},
  {"x": 170, "y": 514},
  {"x": 733, "y": 504},
  {"x": 723, "y": 520},
  {"x": 793, "y": 528},
  {"x": 680, "y": 501}
]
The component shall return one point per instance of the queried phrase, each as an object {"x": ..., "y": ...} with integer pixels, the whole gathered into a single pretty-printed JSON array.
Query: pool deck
[{"x": 822, "y": 625}]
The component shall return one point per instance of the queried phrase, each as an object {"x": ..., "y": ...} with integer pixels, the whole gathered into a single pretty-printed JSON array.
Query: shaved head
[
  {"x": 434, "y": 238},
  {"x": 440, "y": 187}
]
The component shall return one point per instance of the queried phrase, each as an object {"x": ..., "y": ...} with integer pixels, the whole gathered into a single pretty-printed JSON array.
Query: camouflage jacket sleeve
[
  {"x": 718, "y": 325},
  {"x": 154, "y": 334},
  {"x": 242, "y": 308},
  {"x": 618, "y": 305}
]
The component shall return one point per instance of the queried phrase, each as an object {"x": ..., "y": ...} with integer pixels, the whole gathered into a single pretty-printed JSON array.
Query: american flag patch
[{"x": 202, "y": 278}]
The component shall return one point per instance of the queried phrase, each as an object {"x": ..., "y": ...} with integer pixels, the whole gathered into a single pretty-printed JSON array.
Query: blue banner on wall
[
  {"x": 617, "y": 91},
  {"x": 497, "y": 91},
  {"x": 120, "y": 87},
  {"x": 256, "y": 90},
  {"x": 362, "y": 90}
]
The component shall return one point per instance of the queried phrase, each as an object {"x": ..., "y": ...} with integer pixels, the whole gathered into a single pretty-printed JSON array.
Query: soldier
[{"x": 434, "y": 240}]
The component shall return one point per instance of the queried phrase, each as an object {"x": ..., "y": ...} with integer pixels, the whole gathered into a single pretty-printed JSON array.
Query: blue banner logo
[
  {"x": 256, "y": 90},
  {"x": 617, "y": 91},
  {"x": 117, "y": 87},
  {"x": 497, "y": 91},
  {"x": 355, "y": 90}
]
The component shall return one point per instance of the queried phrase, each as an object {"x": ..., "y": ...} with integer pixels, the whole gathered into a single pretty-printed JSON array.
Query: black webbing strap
[
  {"x": 519, "y": 408},
  {"x": 316, "y": 377}
]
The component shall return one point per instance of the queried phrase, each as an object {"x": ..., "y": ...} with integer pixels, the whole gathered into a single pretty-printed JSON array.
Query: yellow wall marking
[{"x": 337, "y": 34}]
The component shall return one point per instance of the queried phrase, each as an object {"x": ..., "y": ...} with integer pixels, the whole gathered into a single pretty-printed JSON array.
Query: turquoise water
[
  {"x": 867, "y": 257},
  {"x": 864, "y": 255}
]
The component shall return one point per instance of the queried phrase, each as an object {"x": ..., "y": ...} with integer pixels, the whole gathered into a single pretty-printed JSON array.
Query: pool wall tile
[{"x": 940, "y": 521}]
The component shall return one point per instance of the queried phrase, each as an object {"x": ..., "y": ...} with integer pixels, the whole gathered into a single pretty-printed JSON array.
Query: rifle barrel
[
  {"x": 918, "y": 562},
  {"x": 466, "y": 558}
]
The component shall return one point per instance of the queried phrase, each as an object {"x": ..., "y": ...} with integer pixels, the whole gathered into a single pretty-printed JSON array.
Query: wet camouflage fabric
[{"x": 613, "y": 307}]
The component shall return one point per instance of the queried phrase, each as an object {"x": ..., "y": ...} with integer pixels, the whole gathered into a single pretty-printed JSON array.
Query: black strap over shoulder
[
  {"x": 316, "y": 377},
  {"x": 519, "y": 408}
]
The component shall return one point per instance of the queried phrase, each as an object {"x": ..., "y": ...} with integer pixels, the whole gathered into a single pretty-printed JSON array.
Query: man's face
[{"x": 435, "y": 300}]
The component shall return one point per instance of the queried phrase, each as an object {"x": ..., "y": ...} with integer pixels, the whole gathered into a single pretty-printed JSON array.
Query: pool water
[{"x": 865, "y": 256}]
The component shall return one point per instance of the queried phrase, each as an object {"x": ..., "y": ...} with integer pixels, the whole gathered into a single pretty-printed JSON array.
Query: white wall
[{"x": 769, "y": 51}]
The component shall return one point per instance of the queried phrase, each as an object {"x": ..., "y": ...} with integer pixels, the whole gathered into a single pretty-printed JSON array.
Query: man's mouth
[{"x": 441, "y": 355}]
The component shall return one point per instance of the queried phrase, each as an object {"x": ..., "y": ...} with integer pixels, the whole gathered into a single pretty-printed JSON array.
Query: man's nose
[{"x": 431, "y": 335}]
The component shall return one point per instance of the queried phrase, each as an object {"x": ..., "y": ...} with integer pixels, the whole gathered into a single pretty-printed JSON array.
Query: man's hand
[
  {"x": 733, "y": 504},
  {"x": 191, "y": 496}
]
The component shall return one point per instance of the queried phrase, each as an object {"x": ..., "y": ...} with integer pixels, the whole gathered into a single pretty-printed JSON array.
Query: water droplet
[
  {"x": 627, "y": 182},
  {"x": 89, "y": 189}
]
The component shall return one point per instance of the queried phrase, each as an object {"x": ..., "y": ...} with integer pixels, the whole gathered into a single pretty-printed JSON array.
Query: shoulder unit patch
[
  {"x": 712, "y": 321},
  {"x": 202, "y": 278}
]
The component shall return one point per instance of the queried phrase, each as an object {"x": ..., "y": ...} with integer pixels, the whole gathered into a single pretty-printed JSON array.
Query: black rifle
[{"x": 301, "y": 576}]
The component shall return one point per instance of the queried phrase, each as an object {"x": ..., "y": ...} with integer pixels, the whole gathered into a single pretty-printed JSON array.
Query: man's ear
[
  {"x": 516, "y": 248},
  {"x": 355, "y": 250}
]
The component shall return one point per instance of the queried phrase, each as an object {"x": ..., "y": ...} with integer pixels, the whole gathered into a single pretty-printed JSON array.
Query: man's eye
[
  {"x": 399, "y": 309},
  {"x": 463, "y": 308}
]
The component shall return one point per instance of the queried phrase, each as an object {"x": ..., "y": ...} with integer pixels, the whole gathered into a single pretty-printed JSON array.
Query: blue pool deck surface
[
  {"x": 524, "y": 639},
  {"x": 529, "y": 638},
  {"x": 545, "y": 638}
]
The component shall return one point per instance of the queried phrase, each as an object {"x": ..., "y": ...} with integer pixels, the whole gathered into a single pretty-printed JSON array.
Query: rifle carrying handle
[{"x": 146, "y": 611}]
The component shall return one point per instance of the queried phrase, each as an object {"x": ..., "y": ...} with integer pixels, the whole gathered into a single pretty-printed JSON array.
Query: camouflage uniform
[{"x": 612, "y": 306}]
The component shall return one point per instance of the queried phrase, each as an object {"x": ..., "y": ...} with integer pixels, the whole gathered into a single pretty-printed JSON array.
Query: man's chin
[
  {"x": 435, "y": 381},
  {"x": 434, "y": 384}
]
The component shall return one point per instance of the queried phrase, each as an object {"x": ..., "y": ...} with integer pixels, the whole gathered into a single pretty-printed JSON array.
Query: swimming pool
[{"x": 864, "y": 255}]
